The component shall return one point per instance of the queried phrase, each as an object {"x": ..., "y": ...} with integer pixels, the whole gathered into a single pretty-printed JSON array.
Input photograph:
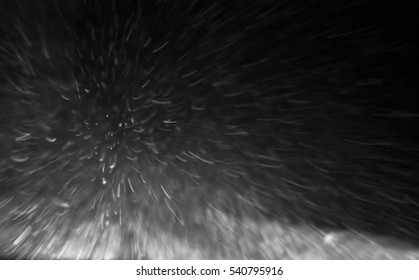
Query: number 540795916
[{"x": 254, "y": 270}]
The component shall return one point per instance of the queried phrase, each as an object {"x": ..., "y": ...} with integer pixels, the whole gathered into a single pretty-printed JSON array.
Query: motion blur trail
[{"x": 208, "y": 130}]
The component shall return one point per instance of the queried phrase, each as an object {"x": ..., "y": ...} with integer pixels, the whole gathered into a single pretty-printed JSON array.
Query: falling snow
[{"x": 145, "y": 130}]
